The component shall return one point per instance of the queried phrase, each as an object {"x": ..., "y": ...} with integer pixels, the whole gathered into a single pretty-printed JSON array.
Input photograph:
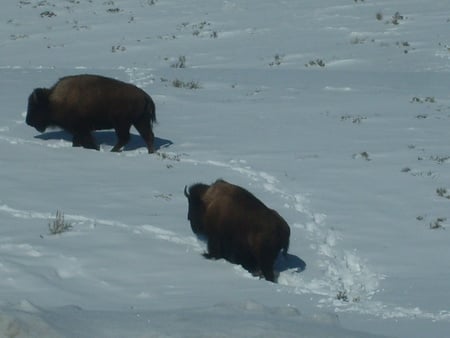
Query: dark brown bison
[
  {"x": 82, "y": 103},
  {"x": 237, "y": 226}
]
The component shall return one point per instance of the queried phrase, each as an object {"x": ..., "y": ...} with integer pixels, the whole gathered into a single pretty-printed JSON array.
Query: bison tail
[
  {"x": 285, "y": 248},
  {"x": 150, "y": 109},
  {"x": 285, "y": 233}
]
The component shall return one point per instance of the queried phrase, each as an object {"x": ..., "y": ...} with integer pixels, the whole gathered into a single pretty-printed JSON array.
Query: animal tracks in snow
[
  {"x": 344, "y": 272},
  {"x": 345, "y": 282}
]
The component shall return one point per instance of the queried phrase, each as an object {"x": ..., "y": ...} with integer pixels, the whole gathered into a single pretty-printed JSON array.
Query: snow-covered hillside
[{"x": 336, "y": 113}]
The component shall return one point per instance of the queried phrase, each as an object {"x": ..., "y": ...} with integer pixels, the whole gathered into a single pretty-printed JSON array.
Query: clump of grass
[
  {"x": 47, "y": 14},
  {"x": 357, "y": 40},
  {"x": 437, "y": 224},
  {"x": 396, "y": 18},
  {"x": 59, "y": 224},
  {"x": 442, "y": 192},
  {"x": 113, "y": 10},
  {"x": 188, "y": 85},
  {"x": 166, "y": 197},
  {"x": 440, "y": 159},
  {"x": 316, "y": 62},
  {"x": 181, "y": 63},
  {"x": 429, "y": 99},
  {"x": 277, "y": 60},
  {"x": 364, "y": 155},
  {"x": 356, "y": 119},
  {"x": 118, "y": 48},
  {"x": 166, "y": 156},
  {"x": 342, "y": 296}
]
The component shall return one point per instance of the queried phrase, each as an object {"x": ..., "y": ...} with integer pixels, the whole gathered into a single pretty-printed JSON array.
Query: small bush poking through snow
[
  {"x": 59, "y": 225},
  {"x": 316, "y": 62},
  {"x": 189, "y": 85},
  {"x": 442, "y": 192},
  {"x": 437, "y": 224},
  {"x": 181, "y": 63},
  {"x": 47, "y": 14},
  {"x": 396, "y": 18},
  {"x": 364, "y": 155},
  {"x": 277, "y": 60}
]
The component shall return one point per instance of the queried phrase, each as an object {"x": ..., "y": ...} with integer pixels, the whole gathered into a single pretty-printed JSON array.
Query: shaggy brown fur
[
  {"x": 237, "y": 226},
  {"x": 82, "y": 103}
]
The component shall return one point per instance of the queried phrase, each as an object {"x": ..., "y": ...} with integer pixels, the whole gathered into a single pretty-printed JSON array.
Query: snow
[{"x": 334, "y": 113}]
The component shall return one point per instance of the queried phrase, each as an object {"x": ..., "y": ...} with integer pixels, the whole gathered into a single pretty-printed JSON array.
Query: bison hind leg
[
  {"x": 85, "y": 140},
  {"x": 144, "y": 128}
]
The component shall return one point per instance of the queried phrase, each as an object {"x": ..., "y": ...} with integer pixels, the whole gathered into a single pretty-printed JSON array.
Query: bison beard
[
  {"x": 237, "y": 226},
  {"x": 82, "y": 103}
]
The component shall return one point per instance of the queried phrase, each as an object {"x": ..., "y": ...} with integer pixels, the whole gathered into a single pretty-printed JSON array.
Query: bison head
[
  {"x": 196, "y": 208},
  {"x": 38, "y": 109}
]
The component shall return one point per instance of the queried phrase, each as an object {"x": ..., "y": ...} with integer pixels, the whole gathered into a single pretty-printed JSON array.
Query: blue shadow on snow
[
  {"x": 107, "y": 137},
  {"x": 289, "y": 262}
]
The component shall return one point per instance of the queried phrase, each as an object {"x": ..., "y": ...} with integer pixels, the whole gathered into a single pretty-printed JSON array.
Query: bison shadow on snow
[
  {"x": 108, "y": 138},
  {"x": 289, "y": 262}
]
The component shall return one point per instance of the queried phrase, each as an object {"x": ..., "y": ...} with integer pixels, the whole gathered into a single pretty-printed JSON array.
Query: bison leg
[
  {"x": 267, "y": 271},
  {"x": 214, "y": 249},
  {"x": 123, "y": 136},
  {"x": 266, "y": 261},
  {"x": 144, "y": 129},
  {"x": 85, "y": 140}
]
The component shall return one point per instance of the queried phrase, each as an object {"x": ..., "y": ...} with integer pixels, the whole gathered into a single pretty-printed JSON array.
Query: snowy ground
[{"x": 335, "y": 113}]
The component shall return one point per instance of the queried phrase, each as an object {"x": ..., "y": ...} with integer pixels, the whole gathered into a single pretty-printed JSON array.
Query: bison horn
[
  {"x": 35, "y": 96},
  {"x": 185, "y": 191}
]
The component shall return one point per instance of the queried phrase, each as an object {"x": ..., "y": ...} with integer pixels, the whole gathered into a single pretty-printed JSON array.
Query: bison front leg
[
  {"x": 267, "y": 271},
  {"x": 266, "y": 260},
  {"x": 84, "y": 139},
  {"x": 214, "y": 249}
]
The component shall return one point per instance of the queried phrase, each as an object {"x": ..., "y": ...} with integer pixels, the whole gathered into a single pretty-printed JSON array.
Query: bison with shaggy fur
[
  {"x": 237, "y": 226},
  {"x": 81, "y": 104}
]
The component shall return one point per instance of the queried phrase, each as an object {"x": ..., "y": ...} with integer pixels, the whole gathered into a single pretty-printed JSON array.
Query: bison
[
  {"x": 237, "y": 226},
  {"x": 80, "y": 104}
]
